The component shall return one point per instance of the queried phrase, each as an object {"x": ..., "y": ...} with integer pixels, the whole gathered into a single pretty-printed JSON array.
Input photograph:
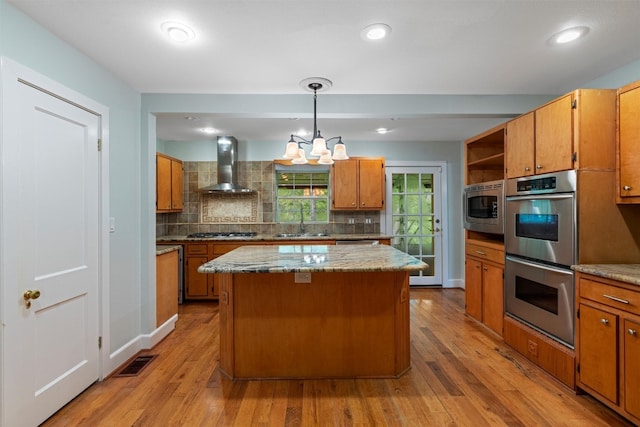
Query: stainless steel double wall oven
[{"x": 541, "y": 245}]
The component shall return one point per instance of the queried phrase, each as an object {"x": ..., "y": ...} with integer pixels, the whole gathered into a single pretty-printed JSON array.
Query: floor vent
[{"x": 136, "y": 366}]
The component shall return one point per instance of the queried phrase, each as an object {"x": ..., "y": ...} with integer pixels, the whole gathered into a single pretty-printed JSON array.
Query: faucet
[{"x": 301, "y": 220}]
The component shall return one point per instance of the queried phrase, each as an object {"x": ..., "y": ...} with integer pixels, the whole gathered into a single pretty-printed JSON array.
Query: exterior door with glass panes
[{"x": 413, "y": 218}]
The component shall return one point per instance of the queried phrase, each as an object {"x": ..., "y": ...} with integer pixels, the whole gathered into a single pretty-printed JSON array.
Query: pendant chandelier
[{"x": 294, "y": 150}]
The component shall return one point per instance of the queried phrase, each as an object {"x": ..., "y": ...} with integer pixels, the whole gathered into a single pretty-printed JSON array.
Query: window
[{"x": 302, "y": 187}]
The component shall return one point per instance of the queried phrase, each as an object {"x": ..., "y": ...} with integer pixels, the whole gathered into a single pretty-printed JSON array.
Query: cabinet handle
[
  {"x": 604, "y": 321},
  {"x": 538, "y": 166},
  {"x": 626, "y": 187},
  {"x": 632, "y": 331},
  {"x": 481, "y": 253},
  {"x": 624, "y": 301}
]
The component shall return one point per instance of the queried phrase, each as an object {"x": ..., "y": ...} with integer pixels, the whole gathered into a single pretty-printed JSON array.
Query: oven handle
[
  {"x": 541, "y": 196},
  {"x": 536, "y": 265}
]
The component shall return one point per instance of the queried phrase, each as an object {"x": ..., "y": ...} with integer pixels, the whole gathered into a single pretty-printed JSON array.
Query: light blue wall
[{"x": 25, "y": 42}]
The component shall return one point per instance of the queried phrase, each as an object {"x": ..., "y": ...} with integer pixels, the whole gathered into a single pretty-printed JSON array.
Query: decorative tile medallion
[{"x": 229, "y": 208}]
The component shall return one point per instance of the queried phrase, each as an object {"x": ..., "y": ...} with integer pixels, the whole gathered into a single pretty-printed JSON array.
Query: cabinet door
[
  {"x": 519, "y": 146},
  {"x": 473, "y": 288},
  {"x": 554, "y": 136},
  {"x": 628, "y": 143},
  {"x": 493, "y": 296},
  {"x": 163, "y": 183},
  {"x": 197, "y": 284},
  {"x": 632, "y": 367},
  {"x": 598, "y": 351},
  {"x": 176, "y": 185},
  {"x": 371, "y": 184},
  {"x": 344, "y": 184}
]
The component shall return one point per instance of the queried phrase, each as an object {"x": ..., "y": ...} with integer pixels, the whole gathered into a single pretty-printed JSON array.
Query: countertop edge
[{"x": 627, "y": 273}]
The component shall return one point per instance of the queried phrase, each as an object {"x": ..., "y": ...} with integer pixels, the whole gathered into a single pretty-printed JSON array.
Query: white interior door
[
  {"x": 50, "y": 238},
  {"x": 413, "y": 217}
]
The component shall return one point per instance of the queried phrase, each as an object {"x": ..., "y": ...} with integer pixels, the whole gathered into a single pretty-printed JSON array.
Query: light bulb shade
[
  {"x": 325, "y": 158},
  {"x": 319, "y": 146},
  {"x": 292, "y": 150},
  {"x": 301, "y": 159},
  {"x": 340, "y": 151}
]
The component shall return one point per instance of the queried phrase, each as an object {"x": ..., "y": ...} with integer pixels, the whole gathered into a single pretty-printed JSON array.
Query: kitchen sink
[{"x": 291, "y": 235}]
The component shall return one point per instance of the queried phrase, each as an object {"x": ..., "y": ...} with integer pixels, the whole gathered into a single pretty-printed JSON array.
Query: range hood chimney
[{"x": 227, "y": 168}]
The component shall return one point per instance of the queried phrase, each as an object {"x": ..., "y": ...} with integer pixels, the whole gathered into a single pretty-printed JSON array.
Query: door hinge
[
  {"x": 574, "y": 157},
  {"x": 574, "y": 104},
  {"x": 99, "y": 144},
  {"x": 578, "y": 368},
  {"x": 578, "y": 314},
  {"x": 99, "y": 343}
]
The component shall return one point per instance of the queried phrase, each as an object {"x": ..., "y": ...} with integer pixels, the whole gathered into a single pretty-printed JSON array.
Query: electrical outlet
[
  {"x": 368, "y": 221},
  {"x": 302, "y": 278},
  {"x": 533, "y": 348},
  {"x": 351, "y": 221}
]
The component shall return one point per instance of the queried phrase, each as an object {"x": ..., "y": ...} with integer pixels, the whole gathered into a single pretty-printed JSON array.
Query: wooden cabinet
[
  {"x": 608, "y": 343},
  {"x": 574, "y": 131},
  {"x": 519, "y": 146},
  {"x": 358, "y": 184},
  {"x": 197, "y": 285},
  {"x": 167, "y": 279},
  {"x": 628, "y": 144},
  {"x": 484, "y": 156},
  {"x": 484, "y": 282},
  {"x": 169, "y": 179}
]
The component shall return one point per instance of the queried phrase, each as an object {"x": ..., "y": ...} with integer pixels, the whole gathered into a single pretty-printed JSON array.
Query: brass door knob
[{"x": 28, "y": 295}]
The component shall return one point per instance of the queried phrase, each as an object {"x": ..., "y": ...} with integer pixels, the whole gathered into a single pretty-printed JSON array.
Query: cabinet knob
[
  {"x": 353, "y": 203},
  {"x": 527, "y": 169},
  {"x": 626, "y": 187},
  {"x": 604, "y": 321},
  {"x": 363, "y": 204},
  {"x": 538, "y": 166},
  {"x": 632, "y": 332}
]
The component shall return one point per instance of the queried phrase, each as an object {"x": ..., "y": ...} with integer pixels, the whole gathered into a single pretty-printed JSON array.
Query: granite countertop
[
  {"x": 627, "y": 273},
  {"x": 312, "y": 258},
  {"x": 271, "y": 237},
  {"x": 164, "y": 249}
]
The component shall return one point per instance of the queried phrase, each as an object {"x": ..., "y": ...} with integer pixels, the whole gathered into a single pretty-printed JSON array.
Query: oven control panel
[{"x": 557, "y": 182}]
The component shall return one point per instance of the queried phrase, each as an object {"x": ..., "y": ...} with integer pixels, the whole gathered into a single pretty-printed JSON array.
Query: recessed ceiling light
[
  {"x": 382, "y": 131},
  {"x": 178, "y": 32},
  {"x": 568, "y": 35},
  {"x": 375, "y": 31},
  {"x": 208, "y": 130}
]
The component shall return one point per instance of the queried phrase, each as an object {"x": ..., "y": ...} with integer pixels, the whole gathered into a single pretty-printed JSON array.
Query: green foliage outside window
[{"x": 301, "y": 188}]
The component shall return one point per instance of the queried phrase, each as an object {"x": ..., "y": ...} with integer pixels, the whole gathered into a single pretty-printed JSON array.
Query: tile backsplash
[{"x": 247, "y": 212}]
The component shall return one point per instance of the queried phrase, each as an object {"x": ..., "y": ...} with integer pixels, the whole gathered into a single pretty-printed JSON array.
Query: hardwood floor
[{"x": 462, "y": 375}]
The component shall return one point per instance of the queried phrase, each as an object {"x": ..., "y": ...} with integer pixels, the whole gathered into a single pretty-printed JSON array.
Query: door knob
[{"x": 29, "y": 295}]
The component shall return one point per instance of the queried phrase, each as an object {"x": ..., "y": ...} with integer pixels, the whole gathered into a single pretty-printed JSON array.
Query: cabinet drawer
[
  {"x": 484, "y": 252},
  {"x": 224, "y": 248},
  {"x": 197, "y": 249},
  {"x": 623, "y": 299}
]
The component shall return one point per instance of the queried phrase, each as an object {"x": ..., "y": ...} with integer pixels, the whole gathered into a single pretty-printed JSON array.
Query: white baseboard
[
  {"x": 141, "y": 342},
  {"x": 454, "y": 283}
]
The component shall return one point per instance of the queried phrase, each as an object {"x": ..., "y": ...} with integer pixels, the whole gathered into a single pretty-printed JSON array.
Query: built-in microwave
[{"x": 484, "y": 207}]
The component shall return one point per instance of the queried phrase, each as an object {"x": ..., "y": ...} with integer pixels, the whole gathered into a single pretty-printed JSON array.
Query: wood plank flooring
[{"x": 462, "y": 375}]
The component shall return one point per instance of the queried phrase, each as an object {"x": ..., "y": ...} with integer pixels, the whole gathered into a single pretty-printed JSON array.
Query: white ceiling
[{"x": 444, "y": 47}]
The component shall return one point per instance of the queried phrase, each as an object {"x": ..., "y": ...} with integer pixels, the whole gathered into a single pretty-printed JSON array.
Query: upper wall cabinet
[
  {"x": 628, "y": 144},
  {"x": 169, "y": 178},
  {"x": 484, "y": 156},
  {"x": 358, "y": 184},
  {"x": 574, "y": 131}
]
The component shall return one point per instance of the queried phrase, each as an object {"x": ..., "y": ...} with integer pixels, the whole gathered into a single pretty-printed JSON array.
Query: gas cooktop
[{"x": 224, "y": 234}]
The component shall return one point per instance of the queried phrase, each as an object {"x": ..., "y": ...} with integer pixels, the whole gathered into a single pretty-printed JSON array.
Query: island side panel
[
  {"x": 226, "y": 323},
  {"x": 402, "y": 333},
  {"x": 341, "y": 325}
]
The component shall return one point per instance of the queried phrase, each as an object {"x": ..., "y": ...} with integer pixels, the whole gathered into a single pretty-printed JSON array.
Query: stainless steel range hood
[{"x": 227, "y": 168}]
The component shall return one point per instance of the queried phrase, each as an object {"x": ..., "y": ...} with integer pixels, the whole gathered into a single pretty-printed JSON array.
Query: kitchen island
[{"x": 314, "y": 311}]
